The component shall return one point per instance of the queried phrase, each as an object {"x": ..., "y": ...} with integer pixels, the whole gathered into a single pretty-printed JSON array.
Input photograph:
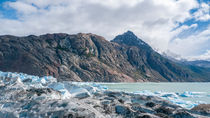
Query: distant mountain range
[
  {"x": 200, "y": 63},
  {"x": 178, "y": 59},
  {"x": 89, "y": 57}
]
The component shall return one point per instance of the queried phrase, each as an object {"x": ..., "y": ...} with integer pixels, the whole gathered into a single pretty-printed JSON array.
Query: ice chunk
[
  {"x": 96, "y": 86},
  {"x": 61, "y": 88},
  {"x": 191, "y": 94},
  {"x": 145, "y": 92},
  {"x": 99, "y": 86},
  {"x": 29, "y": 79},
  {"x": 175, "y": 97}
]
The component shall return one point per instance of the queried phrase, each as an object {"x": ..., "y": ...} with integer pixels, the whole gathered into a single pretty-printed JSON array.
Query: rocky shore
[{"x": 24, "y": 96}]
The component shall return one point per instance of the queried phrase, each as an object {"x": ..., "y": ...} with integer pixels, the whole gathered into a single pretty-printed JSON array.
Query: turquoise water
[{"x": 194, "y": 92}]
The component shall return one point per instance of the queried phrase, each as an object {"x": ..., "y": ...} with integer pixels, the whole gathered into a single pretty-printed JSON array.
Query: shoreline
[
  {"x": 31, "y": 96},
  {"x": 104, "y": 104}
]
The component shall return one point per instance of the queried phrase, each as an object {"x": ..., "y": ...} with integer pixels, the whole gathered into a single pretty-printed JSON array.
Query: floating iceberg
[
  {"x": 175, "y": 98},
  {"x": 191, "y": 94},
  {"x": 145, "y": 92}
]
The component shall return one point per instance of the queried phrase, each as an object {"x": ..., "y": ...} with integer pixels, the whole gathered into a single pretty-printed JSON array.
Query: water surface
[{"x": 197, "y": 92}]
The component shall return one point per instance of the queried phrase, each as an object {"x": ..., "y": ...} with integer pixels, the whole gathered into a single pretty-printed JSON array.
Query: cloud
[
  {"x": 205, "y": 56},
  {"x": 184, "y": 28},
  {"x": 155, "y": 21},
  {"x": 203, "y": 13},
  {"x": 194, "y": 45},
  {"x": 21, "y": 7}
]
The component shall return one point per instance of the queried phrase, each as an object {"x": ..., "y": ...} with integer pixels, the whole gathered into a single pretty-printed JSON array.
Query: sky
[{"x": 176, "y": 27}]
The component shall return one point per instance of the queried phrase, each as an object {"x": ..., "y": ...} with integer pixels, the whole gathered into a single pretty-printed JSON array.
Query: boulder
[
  {"x": 120, "y": 109},
  {"x": 164, "y": 110},
  {"x": 150, "y": 104},
  {"x": 202, "y": 108},
  {"x": 182, "y": 114}
]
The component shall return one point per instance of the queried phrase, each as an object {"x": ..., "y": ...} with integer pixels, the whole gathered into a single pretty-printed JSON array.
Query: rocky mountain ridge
[{"x": 89, "y": 57}]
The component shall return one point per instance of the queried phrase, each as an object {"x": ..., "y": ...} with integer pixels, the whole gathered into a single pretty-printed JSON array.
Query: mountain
[
  {"x": 178, "y": 59},
  {"x": 89, "y": 57},
  {"x": 173, "y": 56},
  {"x": 200, "y": 63}
]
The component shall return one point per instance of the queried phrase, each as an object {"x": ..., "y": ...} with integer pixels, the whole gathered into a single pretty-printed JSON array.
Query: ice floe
[
  {"x": 175, "y": 98},
  {"x": 191, "y": 94}
]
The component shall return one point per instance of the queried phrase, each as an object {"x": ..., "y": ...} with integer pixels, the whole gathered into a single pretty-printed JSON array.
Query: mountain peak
[
  {"x": 129, "y": 33},
  {"x": 130, "y": 39}
]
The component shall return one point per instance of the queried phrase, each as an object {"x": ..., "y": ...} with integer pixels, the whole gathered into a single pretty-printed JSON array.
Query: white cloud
[
  {"x": 205, "y": 56},
  {"x": 151, "y": 20},
  {"x": 22, "y": 7},
  {"x": 116, "y": 3},
  {"x": 203, "y": 13},
  {"x": 184, "y": 28},
  {"x": 194, "y": 45}
]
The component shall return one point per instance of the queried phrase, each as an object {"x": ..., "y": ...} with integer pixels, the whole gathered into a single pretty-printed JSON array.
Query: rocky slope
[
  {"x": 89, "y": 57},
  {"x": 26, "y": 96}
]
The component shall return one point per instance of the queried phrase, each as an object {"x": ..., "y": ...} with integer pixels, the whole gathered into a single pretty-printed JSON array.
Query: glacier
[
  {"x": 67, "y": 90},
  {"x": 28, "y": 96},
  {"x": 15, "y": 81}
]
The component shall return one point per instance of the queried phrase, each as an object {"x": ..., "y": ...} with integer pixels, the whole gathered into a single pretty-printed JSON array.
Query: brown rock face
[{"x": 88, "y": 57}]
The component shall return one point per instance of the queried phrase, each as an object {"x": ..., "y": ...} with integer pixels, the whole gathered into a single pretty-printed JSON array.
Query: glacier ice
[
  {"x": 175, "y": 98},
  {"x": 14, "y": 81},
  {"x": 191, "y": 94},
  {"x": 67, "y": 90}
]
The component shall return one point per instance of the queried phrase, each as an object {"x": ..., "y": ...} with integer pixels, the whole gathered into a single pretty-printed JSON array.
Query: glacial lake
[{"x": 185, "y": 94}]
